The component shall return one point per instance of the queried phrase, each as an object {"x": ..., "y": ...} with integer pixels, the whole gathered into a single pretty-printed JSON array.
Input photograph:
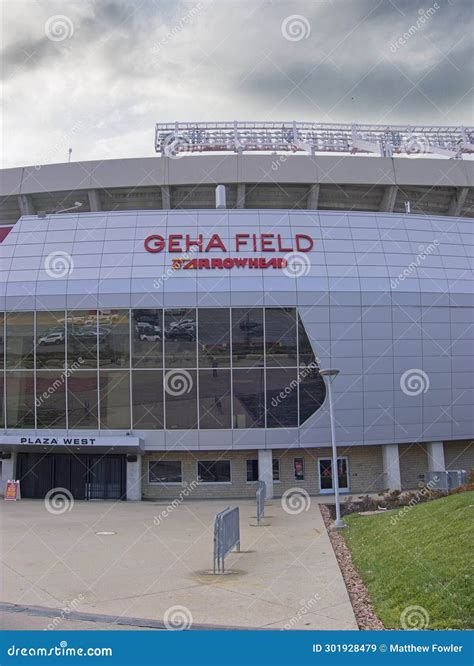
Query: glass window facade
[
  {"x": 165, "y": 471},
  {"x": 147, "y": 369},
  {"x": 214, "y": 471}
]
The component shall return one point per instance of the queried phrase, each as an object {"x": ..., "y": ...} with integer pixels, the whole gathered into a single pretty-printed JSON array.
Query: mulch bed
[{"x": 358, "y": 593}]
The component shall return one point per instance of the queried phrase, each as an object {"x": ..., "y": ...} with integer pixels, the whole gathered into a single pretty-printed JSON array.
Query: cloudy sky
[{"x": 96, "y": 75}]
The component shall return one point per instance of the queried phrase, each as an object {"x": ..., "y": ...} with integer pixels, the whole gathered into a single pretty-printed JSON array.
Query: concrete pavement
[{"x": 286, "y": 577}]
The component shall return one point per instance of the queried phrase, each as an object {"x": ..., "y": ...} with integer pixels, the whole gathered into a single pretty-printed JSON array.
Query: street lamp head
[{"x": 329, "y": 372}]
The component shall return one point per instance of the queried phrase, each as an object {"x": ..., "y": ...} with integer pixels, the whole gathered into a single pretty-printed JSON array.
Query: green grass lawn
[{"x": 422, "y": 558}]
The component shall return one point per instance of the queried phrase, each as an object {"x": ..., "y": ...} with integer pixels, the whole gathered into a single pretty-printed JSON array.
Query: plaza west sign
[
  {"x": 264, "y": 243},
  {"x": 70, "y": 441}
]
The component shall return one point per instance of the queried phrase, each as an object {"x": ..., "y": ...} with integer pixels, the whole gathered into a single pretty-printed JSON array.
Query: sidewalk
[{"x": 287, "y": 576}]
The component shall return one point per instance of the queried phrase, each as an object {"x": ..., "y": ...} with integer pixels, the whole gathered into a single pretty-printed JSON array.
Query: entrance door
[
  {"x": 86, "y": 477},
  {"x": 326, "y": 481}
]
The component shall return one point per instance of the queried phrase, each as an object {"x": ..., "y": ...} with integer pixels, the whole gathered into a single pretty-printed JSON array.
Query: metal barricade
[
  {"x": 261, "y": 495},
  {"x": 446, "y": 480},
  {"x": 226, "y": 536}
]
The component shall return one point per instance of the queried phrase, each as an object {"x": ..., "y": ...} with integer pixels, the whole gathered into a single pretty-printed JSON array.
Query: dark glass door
[{"x": 326, "y": 483}]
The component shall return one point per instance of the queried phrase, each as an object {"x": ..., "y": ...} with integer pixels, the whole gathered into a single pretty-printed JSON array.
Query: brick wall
[
  {"x": 365, "y": 472},
  {"x": 459, "y": 455},
  {"x": 413, "y": 465}
]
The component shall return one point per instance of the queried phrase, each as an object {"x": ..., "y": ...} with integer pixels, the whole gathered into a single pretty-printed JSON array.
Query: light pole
[{"x": 330, "y": 374}]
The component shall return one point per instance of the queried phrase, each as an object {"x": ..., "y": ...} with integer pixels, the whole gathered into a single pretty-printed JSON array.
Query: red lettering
[
  {"x": 241, "y": 239},
  {"x": 240, "y": 263},
  {"x": 154, "y": 243},
  {"x": 194, "y": 243},
  {"x": 267, "y": 242},
  {"x": 228, "y": 262},
  {"x": 204, "y": 263},
  {"x": 301, "y": 237},
  {"x": 215, "y": 242},
  {"x": 281, "y": 247},
  {"x": 216, "y": 263},
  {"x": 190, "y": 264},
  {"x": 174, "y": 241}
]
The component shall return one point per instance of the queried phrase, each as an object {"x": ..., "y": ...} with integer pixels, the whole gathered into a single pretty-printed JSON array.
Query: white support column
[
  {"x": 240, "y": 203},
  {"x": 8, "y": 472},
  {"x": 94, "y": 201},
  {"x": 265, "y": 469},
  {"x": 25, "y": 203},
  {"x": 435, "y": 453},
  {"x": 313, "y": 197},
  {"x": 388, "y": 200},
  {"x": 391, "y": 466},
  {"x": 134, "y": 479},
  {"x": 457, "y": 201},
  {"x": 165, "y": 197}
]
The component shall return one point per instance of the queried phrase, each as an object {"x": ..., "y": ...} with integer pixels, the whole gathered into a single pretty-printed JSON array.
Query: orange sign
[{"x": 12, "y": 490}]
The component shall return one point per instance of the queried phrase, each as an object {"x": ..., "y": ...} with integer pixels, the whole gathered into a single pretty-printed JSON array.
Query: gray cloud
[{"x": 129, "y": 65}]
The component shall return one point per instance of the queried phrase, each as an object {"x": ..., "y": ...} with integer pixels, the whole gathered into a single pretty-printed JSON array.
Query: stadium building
[{"x": 164, "y": 336}]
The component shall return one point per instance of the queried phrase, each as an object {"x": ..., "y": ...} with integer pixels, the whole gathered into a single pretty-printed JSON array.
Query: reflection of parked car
[
  {"x": 150, "y": 337},
  {"x": 183, "y": 323},
  {"x": 52, "y": 338},
  {"x": 145, "y": 327},
  {"x": 181, "y": 334}
]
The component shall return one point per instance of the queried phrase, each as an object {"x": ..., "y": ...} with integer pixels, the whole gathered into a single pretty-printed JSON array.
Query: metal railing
[
  {"x": 446, "y": 480},
  {"x": 226, "y": 536},
  {"x": 389, "y": 140},
  {"x": 261, "y": 496}
]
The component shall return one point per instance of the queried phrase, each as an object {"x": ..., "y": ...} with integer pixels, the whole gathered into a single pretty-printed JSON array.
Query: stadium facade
[{"x": 149, "y": 348}]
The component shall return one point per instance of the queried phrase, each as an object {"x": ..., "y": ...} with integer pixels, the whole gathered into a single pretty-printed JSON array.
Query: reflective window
[
  {"x": 282, "y": 398},
  {"x": 2, "y": 340},
  {"x": 252, "y": 470},
  {"x": 306, "y": 354},
  {"x": 20, "y": 340},
  {"x": 247, "y": 337},
  {"x": 181, "y": 399},
  {"x": 82, "y": 338},
  {"x": 312, "y": 390},
  {"x": 298, "y": 465},
  {"x": 249, "y": 398},
  {"x": 114, "y": 392},
  {"x": 114, "y": 338},
  {"x": 20, "y": 406},
  {"x": 214, "y": 337},
  {"x": 51, "y": 399},
  {"x": 82, "y": 399},
  {"x": 280, "y": 336},
  {"x": 50, "y": 340},
  {"x": 147, "y": 397},
  {"x": 214, "y": 471},
  {"x": 2, "y": 404},
  {"x": 276, "y": 469},
  {"x": 165, "y": 471},
  {"x": 147, "y": 338},
  {"x": 214, "y": 399},
  {"x": 180, "y": 338}
]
